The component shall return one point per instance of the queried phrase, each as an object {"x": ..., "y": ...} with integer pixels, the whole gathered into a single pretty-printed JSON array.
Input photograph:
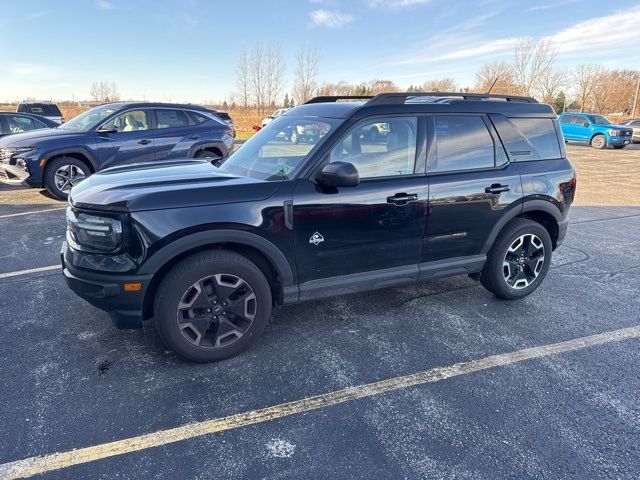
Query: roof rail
[
  {"x": 335, "y": 98},
  {"x": 400, "y": 98}
]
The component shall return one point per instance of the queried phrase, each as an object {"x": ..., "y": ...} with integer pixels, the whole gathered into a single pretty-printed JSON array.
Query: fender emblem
[{"x": 316, "y": 239}]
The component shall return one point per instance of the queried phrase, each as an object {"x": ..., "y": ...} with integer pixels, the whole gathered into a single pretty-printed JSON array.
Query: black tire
[
  {"x": 598, "y": 141},
  {"x": 181, "y": 280},
  {"x": 295, "y": 137},
  {"x": 206, "y": 154},
  {"x": 493, "y": 274},
  {"x": 619, "y": 147},
  {"x": 52, "y": 180}
]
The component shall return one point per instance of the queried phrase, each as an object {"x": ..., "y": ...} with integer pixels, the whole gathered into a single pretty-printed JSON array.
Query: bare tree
[
  {"x": 440, "y": 85},
  {"x": 274, "y": 75},
  {"x": 499, "y": 72},
  {"x": 243, "y": 80},
  {"x": 104, "y": 92},
  {"x": 532, "y": 61},
  {"x": 586, "y": 77},
  {"x": 334, "y": 89},
  {"x": 551, "y": 84},
  {"x": 375, "y": 87},
  {"x": 306, "y": 74}
]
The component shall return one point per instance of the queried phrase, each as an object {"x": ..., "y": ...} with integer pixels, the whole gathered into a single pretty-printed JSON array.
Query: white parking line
[
  {"x": 30, "y": 270},
  {"x": 56, "y": 461},
  {"x": 33, "y": 212}
]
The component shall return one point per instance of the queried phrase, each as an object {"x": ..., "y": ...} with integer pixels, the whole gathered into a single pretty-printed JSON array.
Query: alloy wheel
[
  {"x": 68, "y": 176},
  {"x": 523, "y": 261},
  {"x": 216, "y": 311}
]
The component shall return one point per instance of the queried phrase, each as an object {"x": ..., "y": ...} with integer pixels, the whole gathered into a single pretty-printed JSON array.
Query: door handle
[
  {"x": 144, "y": 142},
  {"x": 497, "y": 188},
  {"x": 402, "y": 198}
]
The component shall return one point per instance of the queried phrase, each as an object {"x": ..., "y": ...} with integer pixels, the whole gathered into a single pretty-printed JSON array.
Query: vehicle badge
[{"x": 316, "y": 239}]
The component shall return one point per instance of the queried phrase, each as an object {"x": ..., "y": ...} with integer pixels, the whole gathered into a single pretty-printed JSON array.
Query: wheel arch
[
  {"x": 267, "y": 257},
  {"x": 540, "y": 211},
  {"x": 79, "y": 153},
  {"x": 218, "y": 148}
]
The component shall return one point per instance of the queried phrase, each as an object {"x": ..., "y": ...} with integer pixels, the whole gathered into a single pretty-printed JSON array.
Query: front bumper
[
  {"x": 13, "y": 175},
  {"x": 625, "y": 140},
  {"x": 107, "y": 292}
]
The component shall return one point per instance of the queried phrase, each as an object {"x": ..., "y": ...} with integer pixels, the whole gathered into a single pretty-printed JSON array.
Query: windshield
[
  {"x": 278, "y": 150},
  {"x": 89, "y": 119},
  {"x": 598, "y": 120}
]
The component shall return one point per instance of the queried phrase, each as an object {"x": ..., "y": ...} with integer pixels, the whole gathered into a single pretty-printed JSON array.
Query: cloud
[
  {"x": 549, "y": 6},
  {"x": 330, "y": 18},
  {"x": 104, "y": 4},
  {"x": 396, "y": 3}
]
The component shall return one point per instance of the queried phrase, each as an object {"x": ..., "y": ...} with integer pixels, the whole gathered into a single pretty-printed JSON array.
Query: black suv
[{"x": 461, "y": 184}]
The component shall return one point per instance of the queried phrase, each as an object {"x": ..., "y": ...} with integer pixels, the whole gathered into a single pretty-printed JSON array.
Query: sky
[{"x": 186, "y": 50}]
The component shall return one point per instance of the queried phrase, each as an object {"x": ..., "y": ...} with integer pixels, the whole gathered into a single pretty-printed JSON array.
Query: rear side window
[
  {"x": 171, "y": 118},
  {"x": 463, "y": 143},
  {"x": 196, "y": 118},
  {"x": 568, "y": 119},
  {"x": 541, "y": 133}
]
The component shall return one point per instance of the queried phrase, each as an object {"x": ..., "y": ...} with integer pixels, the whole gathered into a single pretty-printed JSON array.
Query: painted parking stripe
[
  {"x": 28, "y": 271},
  {"x": 56, "y": 461},
  {"x": 33, "y": 212}
]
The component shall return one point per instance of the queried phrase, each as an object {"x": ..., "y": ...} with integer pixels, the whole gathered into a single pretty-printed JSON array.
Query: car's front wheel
[
  {"x": 518, "y": 261},
  {"x": 62, "y": 174},
  {"x": 599, "y": 141},
  {"x": 212, "y": 305}
]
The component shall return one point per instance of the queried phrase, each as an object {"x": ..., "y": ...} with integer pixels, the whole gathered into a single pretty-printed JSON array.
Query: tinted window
[
  {"x": 46, "y": 109},
  {"x": 19, "y": 124},
  {"x": 131, "y": 121},
  {"x": 541, "y": 134},
  {"x": 568, "y": 119},
  {"x": 462, "y": 143},
  {"x": 197, "y": 118},
  {"x": 381, "y": 147},
  {"x": 171, "y": 118}
]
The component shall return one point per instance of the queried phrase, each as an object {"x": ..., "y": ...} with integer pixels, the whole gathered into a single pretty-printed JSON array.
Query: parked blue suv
[
  {"x": 108, "y": 135},
  {"x": 594, "y": 129}
]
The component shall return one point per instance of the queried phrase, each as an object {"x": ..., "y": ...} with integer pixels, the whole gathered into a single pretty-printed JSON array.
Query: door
[
  {"x": 568, "y": 124},
  {"x": 376, "y": 225},
  {"x": 471, "y": 186},
  {"x": 173, "y": 135},
  {"x": 130, "y": 142},
  {"x": 582, "y": 128}
]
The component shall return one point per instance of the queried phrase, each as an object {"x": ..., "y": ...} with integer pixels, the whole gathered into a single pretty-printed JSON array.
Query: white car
[{"x": 276, "y": 114}]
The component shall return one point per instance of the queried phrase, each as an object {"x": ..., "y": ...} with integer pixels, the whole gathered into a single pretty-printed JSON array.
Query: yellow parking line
[
  {"x": 33, "y": 212},
  {"x": 37, "y": 465}
]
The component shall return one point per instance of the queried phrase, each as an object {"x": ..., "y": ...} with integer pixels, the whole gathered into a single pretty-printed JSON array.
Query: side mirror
[
  {"x": 339, "y": 174},
  {"x": 108, "y": 128}
]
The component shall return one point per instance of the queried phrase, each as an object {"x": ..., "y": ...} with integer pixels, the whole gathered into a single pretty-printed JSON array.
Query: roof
[
  {"x": 158, "y": 105},
  {"x": 430, "y": 102}
]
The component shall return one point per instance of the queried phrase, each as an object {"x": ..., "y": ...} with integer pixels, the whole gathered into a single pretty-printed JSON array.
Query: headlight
[
  {"x": 7, "y": 153},
  {"x": 94, "y": 232},
  {"x": 614, "y": 133}
]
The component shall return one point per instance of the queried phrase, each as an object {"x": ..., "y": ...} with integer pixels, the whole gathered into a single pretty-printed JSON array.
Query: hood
[
  {"x": 619, "y": 127},
  {"x": 164, "y": 185},
  {"x": 32, "y": 138}
]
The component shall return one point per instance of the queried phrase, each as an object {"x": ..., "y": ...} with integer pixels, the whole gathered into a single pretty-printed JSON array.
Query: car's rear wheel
[
  {"x": 599, "y": 141},
  {"x": 206, "y": 154},
  {"x": 212, "y": 305},
  {"x": 519, "y": 260},
  {"x": 64, "y": 173}
]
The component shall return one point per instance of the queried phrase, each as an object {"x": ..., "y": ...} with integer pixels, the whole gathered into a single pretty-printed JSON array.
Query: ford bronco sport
[{"x": 461, "y": 184}]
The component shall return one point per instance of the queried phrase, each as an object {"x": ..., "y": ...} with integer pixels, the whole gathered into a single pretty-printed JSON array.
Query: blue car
[
  {"x": 109, "y": 135},
  {"x": 595, "y": 130}
]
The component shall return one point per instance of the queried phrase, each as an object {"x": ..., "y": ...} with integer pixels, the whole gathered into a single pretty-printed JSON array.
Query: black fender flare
[
  {"x": 204, "y": 145},
  {"x": 527, "y": 206},
  {"x": 78, "y": 150},
  {"x": 200, "y": 239}
]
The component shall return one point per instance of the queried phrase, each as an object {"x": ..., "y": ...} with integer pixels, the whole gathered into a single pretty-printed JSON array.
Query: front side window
[
  {"x": 132, "y": 121},
  {"x": 280, "y": 149},
  {"x": 89, "y": 119},
  {"x": 598, "y": 120},
  {"x": 463, "y": 143},
  {"x": 171, "y": 118},
  {"x": 380, "y": 147},
  {"x": 19, "y": 124}
]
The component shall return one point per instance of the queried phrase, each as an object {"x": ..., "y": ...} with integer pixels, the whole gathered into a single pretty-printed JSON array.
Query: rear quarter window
[{"x": 527, "y": 139}]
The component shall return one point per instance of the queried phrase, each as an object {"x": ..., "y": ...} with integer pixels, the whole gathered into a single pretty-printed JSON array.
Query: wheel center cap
[{"x": 217, "y": 309}]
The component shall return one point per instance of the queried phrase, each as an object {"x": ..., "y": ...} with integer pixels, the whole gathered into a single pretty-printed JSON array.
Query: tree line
[{"x": 532, "y": 71}]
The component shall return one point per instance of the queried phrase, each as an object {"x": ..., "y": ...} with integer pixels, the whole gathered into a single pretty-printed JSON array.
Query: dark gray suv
[{"x": 109, "y": 135}]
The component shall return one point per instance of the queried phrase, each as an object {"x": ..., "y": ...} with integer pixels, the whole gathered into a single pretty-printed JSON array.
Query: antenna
[{"x": 493, "y": 84}]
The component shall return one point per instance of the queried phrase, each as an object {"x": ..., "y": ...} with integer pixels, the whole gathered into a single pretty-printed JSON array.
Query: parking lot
[{"x": 435, "y": 380}]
